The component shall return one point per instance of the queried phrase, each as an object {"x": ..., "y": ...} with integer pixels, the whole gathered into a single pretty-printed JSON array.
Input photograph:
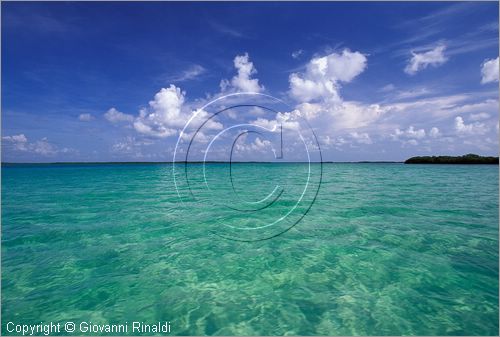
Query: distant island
[{"x": 466, "y": 159}]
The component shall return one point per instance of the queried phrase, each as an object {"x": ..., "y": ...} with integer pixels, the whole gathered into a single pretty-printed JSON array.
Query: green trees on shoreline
[{"x": 466, "y": 159}]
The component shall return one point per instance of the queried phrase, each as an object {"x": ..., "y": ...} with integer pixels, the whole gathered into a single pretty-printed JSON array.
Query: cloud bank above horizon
[{"x": 427, "y": 94}]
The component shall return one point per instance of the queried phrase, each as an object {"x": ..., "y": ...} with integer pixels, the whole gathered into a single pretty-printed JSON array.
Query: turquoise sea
[{"x": 385, "y": 249}]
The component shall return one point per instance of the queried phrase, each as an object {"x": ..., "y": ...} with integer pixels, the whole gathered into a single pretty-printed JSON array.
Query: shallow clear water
[{"x": 386, "y": 249}]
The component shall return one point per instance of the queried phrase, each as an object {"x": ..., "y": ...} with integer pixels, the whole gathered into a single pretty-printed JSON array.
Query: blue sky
[{"x": 376, "y": 81}]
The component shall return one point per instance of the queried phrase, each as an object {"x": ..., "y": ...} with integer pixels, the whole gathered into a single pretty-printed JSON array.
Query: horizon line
[{"x": 199, "y": 162}]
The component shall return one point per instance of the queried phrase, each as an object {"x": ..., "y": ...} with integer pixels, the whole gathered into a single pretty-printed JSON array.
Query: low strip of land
[{"x": 466, "y": 159}]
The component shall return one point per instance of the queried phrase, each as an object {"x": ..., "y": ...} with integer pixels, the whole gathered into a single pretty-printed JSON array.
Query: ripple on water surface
[{"x": 387, "y": 249}]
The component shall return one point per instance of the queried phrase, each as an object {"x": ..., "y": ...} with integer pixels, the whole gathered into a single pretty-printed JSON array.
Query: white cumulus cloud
[
  {"x": 164, "y": 116},
  {"x": 323, "y": 75},
  {"x": 362, "y": 138},
  {"x": 475, "y": 128},
  {"x": 420, "y": 61},
  {"x": 296, "y": 54},
  {"x": 243, "y": 81},
  {"x": 115, "y": 116},
  {"x": 19, "y": 142},
  {"x": 434, "y": 133},
  {"x": 21, "y": 138},
  {"x": 258, "y": 145},
  {"x": 489, "y": 71},
  {"x": 42, "y": 146},
  {"x": 411, "y": 132},
  {"x": 85, "y": 117},
  {"x": 130, "y": 145}
]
